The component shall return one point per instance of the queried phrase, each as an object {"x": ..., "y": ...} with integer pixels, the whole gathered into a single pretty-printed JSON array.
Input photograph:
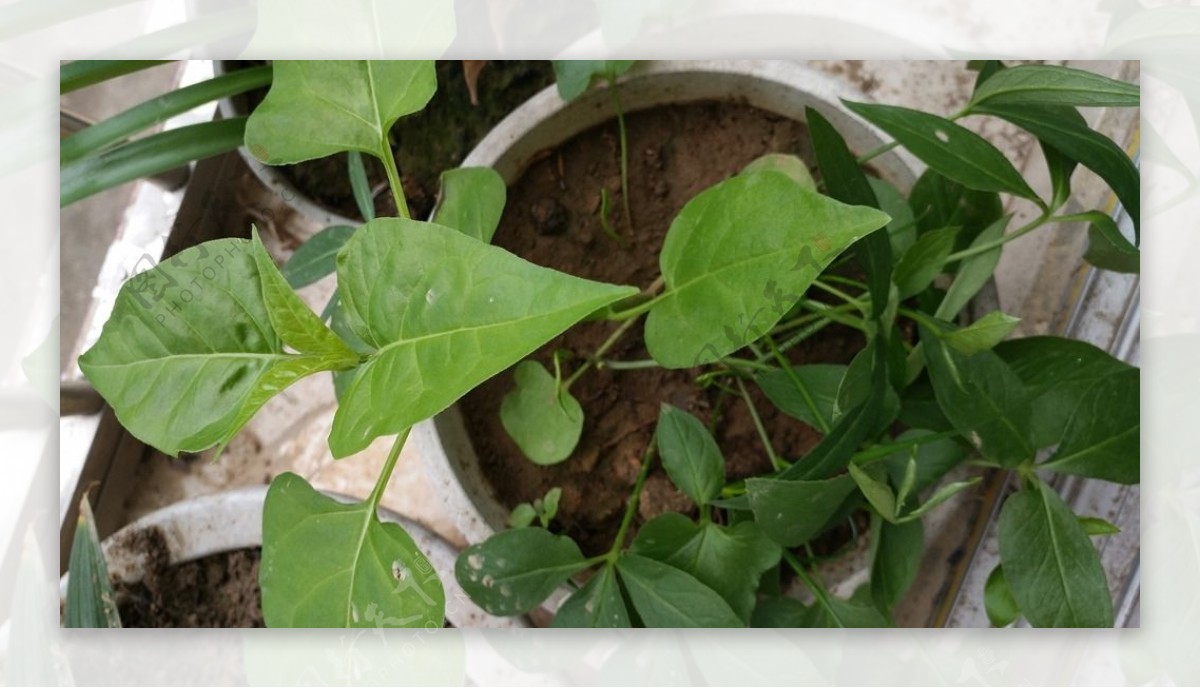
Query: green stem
[
  {"x": 778, "y": 463},
  {"x": 830, "y": 289},
  {"x": 393, "y": 175},
  {"x": 805, "y": 334},
  {"x": 784, "y": 363},
  {"x": 817, "y": 590},
  {"x": 612, "y": 339},
  {"x": 920, "y": 318},
  {"x": 996, "y": 243},
  {"x": 626, "y": 365},
  {"x": 616, "y": 99},
  {"x": 634, "y": 498},
  {"x": 643, "y": 307},
  {"x": 832, "y": 313},
  {"x": 388, "y": 467}
]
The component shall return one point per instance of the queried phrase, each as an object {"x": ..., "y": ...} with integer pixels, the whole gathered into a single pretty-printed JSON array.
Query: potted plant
[{"x": 429, "y": 310}]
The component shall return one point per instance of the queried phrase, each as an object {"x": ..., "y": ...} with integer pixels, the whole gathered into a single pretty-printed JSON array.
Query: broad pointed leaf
[
  {"x": 471, "y": 201},
  {"x": 786, "y": 164},
  {"x": 690, "y": 455},
  {"x": 544, "y": 420},
  {"x": 821, "y": 382},
  {"x": 598, "y": 604},
  {"x": 791, "y": 512},
  {"x": 1103, "y": 438},
  {"x": 317, "y": 108},
  {"x": 998, "y": 601},
  {"x": 666, "y": 597},
  {"x": 332, "y": 565},
  {"x": 1054, "y": 85},
  {"x": 727, "y": 285},
  {"x": 514, "y": 571},
  {"x": 444, "y": 312},
  {"x": 1050, "y": 563}
]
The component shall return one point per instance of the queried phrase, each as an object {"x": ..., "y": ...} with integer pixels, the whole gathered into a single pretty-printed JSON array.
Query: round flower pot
[{"x": 231, "y": 521}]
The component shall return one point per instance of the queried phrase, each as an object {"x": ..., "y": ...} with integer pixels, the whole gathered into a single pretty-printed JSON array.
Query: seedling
[{"x": 543, "y": 509}]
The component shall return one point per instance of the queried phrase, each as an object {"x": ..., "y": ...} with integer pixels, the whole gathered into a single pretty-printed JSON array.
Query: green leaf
[
  {"x": 1059, "y": 374},
  {"x": 90, "y": 600},
  {"x": 1097, "y": 526},
  {"x": 860, "y": 383},
  {"x": 983, "y": 398},
  {"x": 792, "y": 512},
  {"x": 895, "y": 559},
  {"x": 821, "y": 381},
  {"x": 998, "y": 601},
  {"x": 471, "y": 201},
  {"x": 845, "y": 614},
  {"x": 317, "y": 257},
  {"x": 1108, "y": 249},
  {"x": 512, "y": 572},
  {"x": 939, "y": 202},
  {"x": 878, "y": 493},
  {"x": 690, "y": 455},
  {"x": 444, "y": 312},
  {"x": 781, "y": 612},
  {"x": 550, "y": 505},
  {"x": 331, "y": 565},
  {"x": 934, "y": 459},
  {"x": 918, "y": 267},
  {"x": 522, "y": 515},
  {"x": 598, "y": 604},
  {"x": 78, "y": 74},
  {"x": 952, "y": 150},
  {"x": 194, "y": 348},
  {"x": 1071, "y": 136},
  {"x": 981, "y": 335},
  {"x": 574, "y": 77},
  {"x": 147, "y": 156},
  {"x": 902, "y": 230},
  {"x": 789, "y": 165},
  {"x": 1103, "y": 438},
  {"x": 726, "y": 286},
  {"x": 973, "y": 272},
  {"x": 360, "y": 186},
  {"x": 544, "y": 420},
  {"x": 666, "y": 597},
  {"x": 943, "y": 493},
  {"x": 845, "y": 181},
  {"x": 317, "y": 108},
  {"x": 728, "y": 559},
  {"x": 1053, "y": 85},
  {"x": 986, "y": 69},
  {"x": 119, "y": 127},
  {"x": 1050, "y": 563},
  {"x": 1061, "y": 167}
]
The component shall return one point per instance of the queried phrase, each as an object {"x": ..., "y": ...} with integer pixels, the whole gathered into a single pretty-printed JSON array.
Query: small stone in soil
[{"x": 549, "y": 217}]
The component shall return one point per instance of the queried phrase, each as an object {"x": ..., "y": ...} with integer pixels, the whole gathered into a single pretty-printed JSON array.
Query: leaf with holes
[
  {"x": 598, "y": 604},
  {"x": 512, "y": 572},
  {"x": 542, "y": 418}
]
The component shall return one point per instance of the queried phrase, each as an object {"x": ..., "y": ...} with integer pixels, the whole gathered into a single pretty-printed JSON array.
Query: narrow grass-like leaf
[
  {"x": 90, "y": 601},
  {"x": 973, "y": 272},
  {"x": 78, "y": 74},
  {"x": 317, "y": 257},
  {"x": 1054, "y": 85},
  {"x": 360, "y": 186}
]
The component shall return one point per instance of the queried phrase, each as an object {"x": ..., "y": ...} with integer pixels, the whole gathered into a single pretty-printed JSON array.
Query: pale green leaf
[
  {"x": 878, "y": 493},
  {"x": 471, "y": 201},
  {"x": 1093, "y": 525},
  {"x": 983, "y": 334},
  {"x": 544, "y": 420},
  {"x": 790, "y": 165}
]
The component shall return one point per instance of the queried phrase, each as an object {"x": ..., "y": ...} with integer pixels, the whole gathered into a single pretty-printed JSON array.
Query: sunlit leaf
[{"x": 471, "y": 201}]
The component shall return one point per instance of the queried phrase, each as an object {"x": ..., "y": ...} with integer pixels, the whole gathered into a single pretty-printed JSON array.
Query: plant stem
[
  {"x": 634, "y": 498},
  {"x": 830, "y": 289},
  {"x": 778, "y": 463},
  {"x": 616, "y": 99},
  {"x": 393, "y": 175},
  {"x": 818, "y": 591},
  {"x": 984, "y": 248},
  {"x": 822, "y": 424},
  {"x": 388, "y": 467},
  {"x": 920, "y": 318},
  {"x": 805, "y": 334},
  {"x": 882, "y": 451},
  {"x": 612, "y": 339},
  {"x": 838, "y": 316}
]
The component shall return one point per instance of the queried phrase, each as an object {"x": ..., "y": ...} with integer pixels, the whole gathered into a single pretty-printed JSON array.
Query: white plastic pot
[{"x": 232, "y": 520}]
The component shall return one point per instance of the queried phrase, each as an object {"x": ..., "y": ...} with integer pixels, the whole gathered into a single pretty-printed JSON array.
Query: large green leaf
[
  {"x": 690, "y": 455},
  {"x": 444, "y": 312},
  {"x": 471, "y": 201},
  {"x": 821, "y": 381},
  {"x": 90, "y": 600},
  {"x": 784, "y": 612},
  {"x": 738, "y": 257},
  {"x": 1102, "y": 439},
  {"x": 728, "y": 559},
  {"x": 1059, "y": 374},
  {"x": 513, "y": 571},
  {"x": 196, "y": 345},
  {"x": 1050, "y": 563},
  {"x": 666, "y": 597},
  {"x": 788, "y": 164},
  {"x": 598, "y": 604},
  {"x": 1071, "y": 136},
  {"x": 573, "y": 77},
  {"x": 791, "y": 512},
  {"x": 983, "y": 398},
  {"x": 1054, "y": 85},
  {"x": 542, "y": 418},
  {"x": 326, "y": 564},
  {"x": 317, "y": 108},
  {"x": 952, "y": 150},
  {"x": 317, "y": 257}
]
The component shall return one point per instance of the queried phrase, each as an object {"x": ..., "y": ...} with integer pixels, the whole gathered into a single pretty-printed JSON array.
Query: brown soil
[
  {"x": 552, "y": 220},
  {"x": 218, "y": 591}
]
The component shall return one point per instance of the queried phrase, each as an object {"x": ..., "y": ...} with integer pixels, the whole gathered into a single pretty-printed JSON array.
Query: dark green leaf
[
  {"x": 918, "y": 267},
  {"x": 820, "y": 380},
  {"x": 860, "y": 383},
  {"x": 1050, "y": 564},
  {"x": 781, "y": 612},
  {"x": 895, "y": 558},
  {"x": 952, "y": 150},
  {"x": 331, "y": 565},
  {"x": 78, "y": 74},
  {"x": 934, "y": 459},
  {"x": 983, "y": 398},
  {"x": 791, "y": 512},
  {"x": 1102, "y": 439},
  {"x": 542, "y": 418},
  {"x": 1097, "y": 526},
  {"x": 317, "y": 257},
  {"x": 1108, "y": 249},
  {"x": 1054, "y": 85},
  {"x": 727, "y": 286},
  {"x": 1073, "y": 138},
  {"x": 730, "y": 560},
  {"x": 998, "y": 601},
  {"x": 90, "y": 600},
  {"x": 973, "y": 273},
  {"x": 845, "y": 181},
  {"x": 147, "y": 156},
  {"x": 981, "y": 335},
  {"x": 598, "y": 604},
  {"x": 846, "y": 614},
  {"x": 902, "y": 230},
  {"x": 690, "y": 455},
  {"x": 574, "y": 77},
  {"x": 317, "y": 108},
  {"x": 666, "y": 597},
  {"x": 512, "y": 572},
  {"x": 471, "y": 201},
  {"x": 790, "y": 165},
  {"x": 986, "y": 69},
  {"x": 469, "y": 310},
  {"x": 919, "y": 407},
  {"x": 1061, "y": 167},
  {"x": 360, "y": 186}
]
